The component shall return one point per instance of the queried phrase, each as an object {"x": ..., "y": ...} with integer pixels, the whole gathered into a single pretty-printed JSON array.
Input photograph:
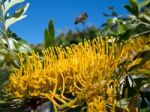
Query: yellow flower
[
  {"x": 97, "y": 104},
  {"x": 83, "y": 71}
]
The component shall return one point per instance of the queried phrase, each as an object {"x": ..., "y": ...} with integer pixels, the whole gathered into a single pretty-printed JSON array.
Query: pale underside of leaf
[{"x": 12, "y": 20}]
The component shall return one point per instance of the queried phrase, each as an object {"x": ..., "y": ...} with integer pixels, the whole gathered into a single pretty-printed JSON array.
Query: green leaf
[
  {"x": 130, "y": 103},
  {"x": 112, "y": 20},
  {"x": 18, "y": 12},
  {"x": 134, "y": 5},
  {"x": 144, "y": 110},
  {"x": 133, "y": 9},
  {"x": 123, "y": 103},
  {"x": 129, "y": 9},
  {"x": 1, "y": 42},
  {"x": 145, "y": 88},
  {"x": 4, "y": 75},
  {"x": 145, "y": 93},
  {"x": 146, "y": 58},
  {"x": 9, "y": 4},
  {"x": 21, "y": 45},
  {"x": 143, "y": 3},
  {"x": 122, "y": 29},
  {"x": 140, "y": 80},
  {"x": 24, "y": 47},
  {"x": 17, "y": 16}
]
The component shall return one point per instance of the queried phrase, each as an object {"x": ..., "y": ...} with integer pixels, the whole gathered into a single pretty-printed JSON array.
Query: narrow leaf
[
  {"x": 12, "y": 20},
  {"x": 17, "y": 16},
  {"x": 18, "y": 13},
  {"x": 129, "y": 9},
  {"x": 143, "y": 3},
  {"x": 9, "y": 4}
]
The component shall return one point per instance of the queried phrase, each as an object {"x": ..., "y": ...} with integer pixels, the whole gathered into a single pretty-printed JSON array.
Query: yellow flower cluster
[
  {"x": 96, "y": 104},
  {"x": 84, "y": 72}
]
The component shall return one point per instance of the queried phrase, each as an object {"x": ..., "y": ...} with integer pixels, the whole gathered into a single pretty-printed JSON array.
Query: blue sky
[{"x": 63, "y": 13}]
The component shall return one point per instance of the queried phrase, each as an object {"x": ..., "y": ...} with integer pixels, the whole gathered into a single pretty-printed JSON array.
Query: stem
[
  {"x": 4, "y": 26},
  {"x": 142, "y": 22},
  {"x": 118, "y": 28},
  {"x": 145, "y": 32},
  {"x": 84, "y": 32}
]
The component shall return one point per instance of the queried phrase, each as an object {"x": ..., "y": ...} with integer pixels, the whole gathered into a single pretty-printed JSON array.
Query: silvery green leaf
[
  {"x": 10, "y": 3},
  {"x": 13, "y": 19},
  {"x": 1, "y": 41},
  {"x": 147, "y": 17},
  {"x": 123, "y": 103},
  {"x": 2, "y": 58},
  {"x": 11, "y": 43},
  {"x": 22, "y": 46},
  {"x": 21, "y": 11},
  {"x": 3, "y": 51}
]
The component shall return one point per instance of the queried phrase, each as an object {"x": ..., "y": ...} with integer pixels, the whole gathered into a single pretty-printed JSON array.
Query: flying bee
[{"x": 81, "y": 18}]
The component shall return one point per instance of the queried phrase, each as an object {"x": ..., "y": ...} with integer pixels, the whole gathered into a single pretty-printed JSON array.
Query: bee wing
[{"x": 78, "y": 19}]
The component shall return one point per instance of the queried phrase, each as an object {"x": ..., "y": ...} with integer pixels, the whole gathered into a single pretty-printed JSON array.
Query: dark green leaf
[
  {"x": 135, "y": 7},
  {"x": 129, "y": 9},
  {"x": 4, "y": 75},
  {"x": 146, "y": 58},
  {"x": 18, "y": 12}
]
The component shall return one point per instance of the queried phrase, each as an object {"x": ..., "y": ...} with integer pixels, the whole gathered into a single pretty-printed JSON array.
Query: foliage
[
  {"x": 10, "y": 44},
  {"x": 49, "y": 35},
  {"x": 75, "y": 37},
  {"x": 135, "y": 70},
  {"x": 126, "y": 27}
]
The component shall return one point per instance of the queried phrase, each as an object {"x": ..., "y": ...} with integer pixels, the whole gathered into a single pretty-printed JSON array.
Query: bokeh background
[{"x": 63, "y": 14}]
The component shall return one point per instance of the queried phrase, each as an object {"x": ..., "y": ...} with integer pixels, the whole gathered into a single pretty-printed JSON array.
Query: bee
[{"x": 81, "y": 18}]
